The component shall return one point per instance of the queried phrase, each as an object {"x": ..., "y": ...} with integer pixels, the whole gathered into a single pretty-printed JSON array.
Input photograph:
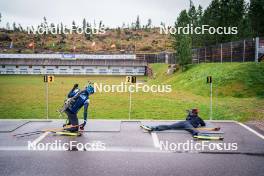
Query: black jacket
[{"x": 195, "y": 120}]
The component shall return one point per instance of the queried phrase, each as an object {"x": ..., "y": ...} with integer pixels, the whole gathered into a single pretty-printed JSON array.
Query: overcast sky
[{"x": 112, "y": 12}]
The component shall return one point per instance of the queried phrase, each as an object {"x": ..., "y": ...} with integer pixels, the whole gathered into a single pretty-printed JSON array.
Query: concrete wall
[
  {"x": 73, "y": 70},
  {"x": 68, "y": 56}
]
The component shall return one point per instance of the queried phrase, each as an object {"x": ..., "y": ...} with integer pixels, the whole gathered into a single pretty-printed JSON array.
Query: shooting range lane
[
  {"x": 155, "y": 123},
  {"x": 54, "y": 163},
  {"x": 8, "y": 139},
  {"x": 102, "y": 126},
  {"x": 247, "y": 142},
  {"x": 9, "y": 126},
  {"x": 128, "y": 152},
  {"x": 129, "y": 138}
]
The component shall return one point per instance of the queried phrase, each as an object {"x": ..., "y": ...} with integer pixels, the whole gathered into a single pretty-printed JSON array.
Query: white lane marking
[
  {"x": 40, "y": 138},
  {"x": 155, "y": 140},
  {"x": 13, "y": 148},
  {"x": 251, "y": 130},
  {"x": 111, "y": 149}
]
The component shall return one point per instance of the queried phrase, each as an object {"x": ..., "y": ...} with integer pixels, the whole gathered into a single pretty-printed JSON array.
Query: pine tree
[
  {"x": 256, "y": 10},
  {"x": 101, "y": 24},
  {"x": 45, "y": 22},
  {"x": 137, "y": 24},
  {"x": 88, "y": 33},
  {"x": 182, "y": 43},
  {"x": 184, "y": 51},
  {"x": 149, "y": 23},
  {"x": 74, "y": 26},
  {"x": 20, "y": 28},
  {"x": 14, "y": 27},
  {"x": 84, "y": 24},
  {"x": 7, "y": 26}
]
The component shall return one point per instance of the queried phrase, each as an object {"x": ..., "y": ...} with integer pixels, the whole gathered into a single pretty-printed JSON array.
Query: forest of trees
[{"x": 247, "y": 17}]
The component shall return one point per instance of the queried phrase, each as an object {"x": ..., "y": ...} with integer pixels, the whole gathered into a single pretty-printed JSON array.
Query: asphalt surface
[{"x": 122, "y": 148}]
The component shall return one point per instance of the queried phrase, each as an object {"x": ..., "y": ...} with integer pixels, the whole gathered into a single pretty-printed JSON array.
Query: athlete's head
[
  {"x": 195, "y": 111},
  {"x": 90, "y": 89}
]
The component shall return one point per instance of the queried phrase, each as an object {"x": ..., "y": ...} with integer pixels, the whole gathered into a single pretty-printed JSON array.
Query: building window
[
  {"x": 36, "y": 70},
  {"x": 89, "y": 71},
  {"x": 115, "y": 71},
  {"x": 102, "y": 71},
  {"x": 129, "y": 71}
]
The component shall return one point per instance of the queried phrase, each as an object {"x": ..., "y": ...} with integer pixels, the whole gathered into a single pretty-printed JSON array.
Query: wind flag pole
[{"x": 11, "y": 45}]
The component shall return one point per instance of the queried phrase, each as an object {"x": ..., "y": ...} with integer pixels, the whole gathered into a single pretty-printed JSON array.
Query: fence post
[
  {"x": 205, "y": 54},
  {"x": 256, "y": 49},
  {"x": 244, "y": 50},
  {"x": 221, "y": 53},
  {"x": 231, "y": 45},
  {"x": 198, "y": 54}
]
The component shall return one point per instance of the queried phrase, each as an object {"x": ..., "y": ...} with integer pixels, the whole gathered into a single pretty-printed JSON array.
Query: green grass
[
  {"x": 229, "y": 79},
  {"x": 238, "y": 90}
]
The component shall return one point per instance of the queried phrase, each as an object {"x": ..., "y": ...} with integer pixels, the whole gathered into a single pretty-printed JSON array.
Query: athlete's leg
[
  {"x": 74, "y": 121},
  {"x": 174, "y": 126},
  {"x": 188, "y": 127}
]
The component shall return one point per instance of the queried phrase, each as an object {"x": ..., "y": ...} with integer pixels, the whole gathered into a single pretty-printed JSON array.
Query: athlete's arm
[
  {"x": 201, "y": 121},
  {"x": 85, "y": 113},
  {"x": 74, "y": 91}
]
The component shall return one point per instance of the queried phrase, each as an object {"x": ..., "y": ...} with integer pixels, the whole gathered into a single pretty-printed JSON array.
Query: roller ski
[
  {"x": 208, "y": 128},
  {"x": 146, "y": 128},
  {"x": 67, "y": 130},
  {"x": 68, "y": 133},
  {"x": 207, "y": 137}
]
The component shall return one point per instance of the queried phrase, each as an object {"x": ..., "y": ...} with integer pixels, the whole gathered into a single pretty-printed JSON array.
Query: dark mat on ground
[
  {"x": 208, "y": 125},
  {"x": 9, "y": 126},
  {"x": 246, "y": 141},
  {"x": 102, "y": 126},
  {"x": 91, "y": 125}
]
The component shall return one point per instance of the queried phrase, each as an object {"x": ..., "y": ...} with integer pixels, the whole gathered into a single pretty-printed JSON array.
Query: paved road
[{"x": 128, "y": 151}]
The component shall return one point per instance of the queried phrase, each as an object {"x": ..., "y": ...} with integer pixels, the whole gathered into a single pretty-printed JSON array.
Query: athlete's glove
[
  {"x": 83, "y": 125},
  {"x": 75, "y": 86}
]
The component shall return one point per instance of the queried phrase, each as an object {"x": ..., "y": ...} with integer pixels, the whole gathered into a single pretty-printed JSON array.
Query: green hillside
[
  {"x": 237, "y": 94},
  {"x": 229, "y": 79}
]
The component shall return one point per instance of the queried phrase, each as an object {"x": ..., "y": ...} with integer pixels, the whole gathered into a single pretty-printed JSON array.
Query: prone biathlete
[
  {"x": 79, "y": 99},
  {"x": 192, "y": 121}
]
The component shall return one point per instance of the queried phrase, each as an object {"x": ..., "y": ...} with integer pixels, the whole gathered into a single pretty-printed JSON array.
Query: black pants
[
  {"x": 186, "y": 125},
  {"x": 73, "y": 120}
]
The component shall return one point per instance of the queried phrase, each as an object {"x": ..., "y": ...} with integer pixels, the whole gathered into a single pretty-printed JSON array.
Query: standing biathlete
[
  {"x": 192, "y": 121},
  {"x": 79, "y": 99}
]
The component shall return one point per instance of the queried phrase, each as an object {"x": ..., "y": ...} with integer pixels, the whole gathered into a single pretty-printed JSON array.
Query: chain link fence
[
  {"x": 247, "y": 50},
  {"x": 162, "y": 57}
]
